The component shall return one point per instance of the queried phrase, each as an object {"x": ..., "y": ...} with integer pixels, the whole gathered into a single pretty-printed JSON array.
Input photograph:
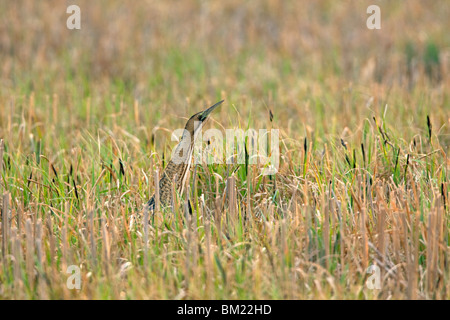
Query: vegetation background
[{"x": 86, "y": 118}]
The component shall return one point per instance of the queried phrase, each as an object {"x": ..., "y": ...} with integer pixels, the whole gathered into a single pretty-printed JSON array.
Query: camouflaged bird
[{"x": 178, "y": 167}]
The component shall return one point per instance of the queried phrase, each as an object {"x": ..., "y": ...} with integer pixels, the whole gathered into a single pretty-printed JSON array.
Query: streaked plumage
[{"x": 177, "y": 169}]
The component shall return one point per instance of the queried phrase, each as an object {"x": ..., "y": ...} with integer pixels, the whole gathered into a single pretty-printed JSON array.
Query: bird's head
[{"x": 196, "y": 122}]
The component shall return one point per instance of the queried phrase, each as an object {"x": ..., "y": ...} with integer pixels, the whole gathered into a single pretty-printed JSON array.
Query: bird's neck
[{"x": 183, "y": 151}]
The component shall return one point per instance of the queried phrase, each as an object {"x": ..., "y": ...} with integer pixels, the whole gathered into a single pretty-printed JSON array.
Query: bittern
[{"x": 176, "y": 170}]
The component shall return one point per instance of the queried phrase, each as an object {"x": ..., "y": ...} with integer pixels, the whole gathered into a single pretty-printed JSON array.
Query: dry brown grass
[{"x": 86, "y": 118}]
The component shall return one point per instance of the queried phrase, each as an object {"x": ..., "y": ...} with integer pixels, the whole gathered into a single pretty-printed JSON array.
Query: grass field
[{"x": 86, "y": 118}]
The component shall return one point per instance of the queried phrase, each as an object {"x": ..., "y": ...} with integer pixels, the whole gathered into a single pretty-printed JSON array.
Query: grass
[{"x": 86, "y": 123}]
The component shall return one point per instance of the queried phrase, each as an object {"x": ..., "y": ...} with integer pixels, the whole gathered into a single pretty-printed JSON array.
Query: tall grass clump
[{"x": 86, "y": 121}]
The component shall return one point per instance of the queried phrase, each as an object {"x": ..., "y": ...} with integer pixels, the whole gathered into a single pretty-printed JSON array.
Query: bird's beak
[{"x": 208, "y": 111}]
